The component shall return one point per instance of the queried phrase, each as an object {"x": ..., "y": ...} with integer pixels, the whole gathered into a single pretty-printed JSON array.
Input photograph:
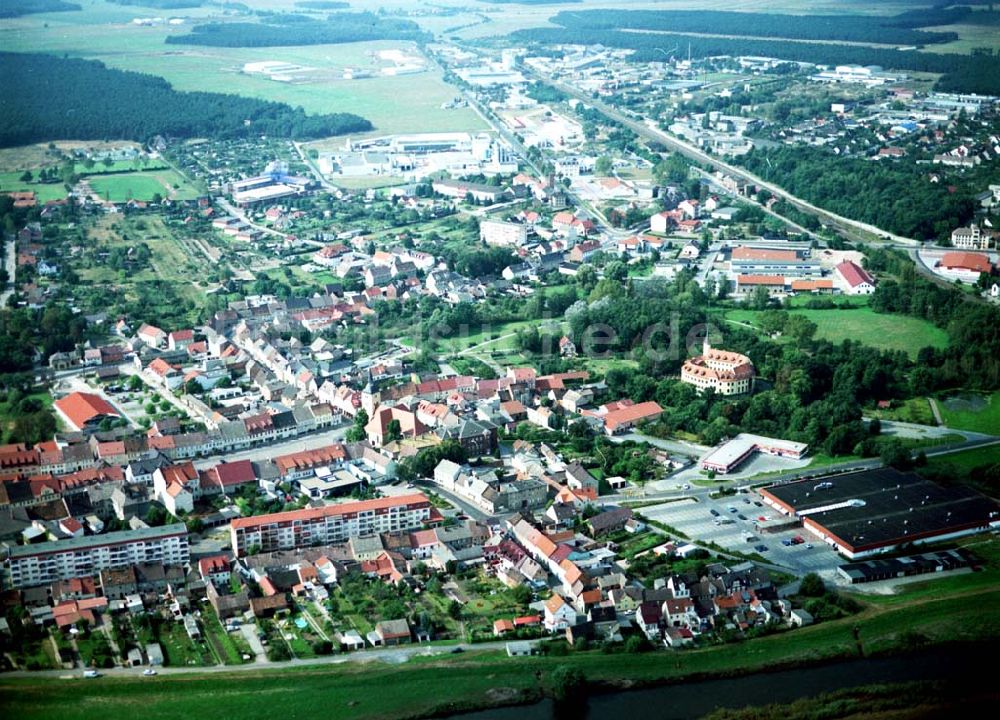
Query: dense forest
[
  {"x": 895, "y": 197},
  {"x": 322, "y": 4},
  {"x": 18, "y": 8},
  {"x": 854, "y": 28},
  {"x": 978, "y": 73},
  {"x": 66, "y": 98},
  {"x": 161, "y": 4},
  {"x": 302, "y": 30},
  {"x": 972, "y": 358}
]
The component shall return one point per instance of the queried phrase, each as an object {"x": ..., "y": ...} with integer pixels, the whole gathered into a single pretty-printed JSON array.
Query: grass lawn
[
  {"x": 180, "y": 650},
  {"x": 914, "y": 410},
  {"x": 883, "y": 331},
  {"x": 967, "y": 459},
  {"x": 11, "y": 182},
  {"x": 979, "y": 413},
  {"x": 9, "y": 411}
]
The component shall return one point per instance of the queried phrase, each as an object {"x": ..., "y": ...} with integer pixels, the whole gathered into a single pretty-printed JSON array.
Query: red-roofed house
[
  {"x": 180, "y": 339},
  {"x": 226, "y": 477},
  {"x": 628, "y": 417},
  {"x": 85, "y": 411},
  {"x": 966, "y": 266},
  {"x": 215, "y": 569},
  {"x": 855, "y": 279}
]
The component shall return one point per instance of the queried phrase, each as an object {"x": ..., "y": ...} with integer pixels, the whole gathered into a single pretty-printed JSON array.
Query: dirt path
[{"x": 936, "y": 411}]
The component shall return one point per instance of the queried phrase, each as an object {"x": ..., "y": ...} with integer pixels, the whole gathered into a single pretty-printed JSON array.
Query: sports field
[
  {"x": 887, "y": 332},
  {"x": 122, "y": 187}
]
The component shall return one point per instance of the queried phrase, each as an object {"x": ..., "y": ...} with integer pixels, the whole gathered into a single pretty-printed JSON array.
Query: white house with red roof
[
  {"x": 854, "y": 279},
  {"x": 180, "y": 339},
  {"x": 151, "y": 335}
]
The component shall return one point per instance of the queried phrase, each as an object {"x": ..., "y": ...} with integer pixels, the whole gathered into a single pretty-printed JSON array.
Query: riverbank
[{"x": 426, "y": 687}]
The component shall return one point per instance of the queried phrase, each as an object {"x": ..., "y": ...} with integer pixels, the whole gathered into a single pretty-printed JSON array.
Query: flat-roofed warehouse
[{"x": 870, "y": 512}]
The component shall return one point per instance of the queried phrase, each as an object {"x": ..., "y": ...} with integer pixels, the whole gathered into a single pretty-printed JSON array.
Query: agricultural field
[
  {"x": 979, "y": 413},
  {"x": 410, "y": 103},
  {"x": 886, "y": 332}
]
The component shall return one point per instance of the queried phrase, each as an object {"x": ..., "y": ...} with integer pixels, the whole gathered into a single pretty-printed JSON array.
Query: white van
[{"x": 91, "y": 674}]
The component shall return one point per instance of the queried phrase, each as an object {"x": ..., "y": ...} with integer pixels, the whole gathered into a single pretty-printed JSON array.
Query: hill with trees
[{"x": 51, "y": 98}]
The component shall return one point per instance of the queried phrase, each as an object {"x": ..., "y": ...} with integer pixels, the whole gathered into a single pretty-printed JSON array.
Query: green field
[
  {"x": 979, "y": 413},
  {"x": 410, "y": 103},
  {"x": 966, "y": 460},
  {"x": 887, "y": 332},
  {"x": 11, "y": 182},
  {"x": 122, "y": 187}
]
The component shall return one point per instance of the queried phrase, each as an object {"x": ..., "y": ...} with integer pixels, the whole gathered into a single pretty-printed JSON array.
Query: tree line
[
  {"x": 852, "y": 28},
  {"x": 70, "y": 98},
  {"x": 972, "y": 358},
  {"x": 302, "y": 30},
  {"x": 897, "y": 197},
  {"x": 19, "y": 8}
]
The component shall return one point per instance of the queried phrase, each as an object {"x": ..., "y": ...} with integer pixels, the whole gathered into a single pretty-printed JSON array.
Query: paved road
[
  {"x": 267, "y": 452},
  {"x": 392, "y": 655},
  {"x": 10, "y": 262}
]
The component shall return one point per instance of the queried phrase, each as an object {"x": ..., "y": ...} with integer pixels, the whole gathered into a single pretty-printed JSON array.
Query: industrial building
[
  {"x": 894, "y": 568},
  {"x": 872, "y": 512},
  {"x": 730, "y": 455}
]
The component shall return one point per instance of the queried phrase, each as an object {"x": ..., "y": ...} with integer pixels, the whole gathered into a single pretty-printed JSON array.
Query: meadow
[{"x": 886, "y": 332}]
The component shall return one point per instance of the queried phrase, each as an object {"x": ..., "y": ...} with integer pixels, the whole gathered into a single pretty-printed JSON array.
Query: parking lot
[{"x": 730, "y": 530}]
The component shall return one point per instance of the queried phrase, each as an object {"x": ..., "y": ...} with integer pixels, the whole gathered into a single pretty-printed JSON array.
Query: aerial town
[{"x": 598, "y": 349}]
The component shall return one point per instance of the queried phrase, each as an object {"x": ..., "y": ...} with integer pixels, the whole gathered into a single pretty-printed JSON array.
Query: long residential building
[
  {"x": 331, "y": 523},
  {"x": 87, "y": 555}
]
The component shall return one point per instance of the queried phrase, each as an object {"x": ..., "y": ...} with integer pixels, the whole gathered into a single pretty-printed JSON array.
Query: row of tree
[
  {"x": 302, "y": 30},
  {"x": 48, "y": 97},
  {"x": 853, "y": 28}
]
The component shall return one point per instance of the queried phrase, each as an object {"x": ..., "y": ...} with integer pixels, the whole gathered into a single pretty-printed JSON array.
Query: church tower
[{"x": 370, "y": 397}]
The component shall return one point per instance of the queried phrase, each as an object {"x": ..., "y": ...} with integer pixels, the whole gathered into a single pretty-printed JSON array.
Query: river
[{"x": 695, "y": 699}]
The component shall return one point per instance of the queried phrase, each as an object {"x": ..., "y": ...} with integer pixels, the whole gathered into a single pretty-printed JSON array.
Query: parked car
[
  {"x": 786, "y": 542},
  {"x": 149, "y": 672},
  {"x": 760, "y": 548},
  {"x": 741, "y": 516},
  {"x": 714, "y": 512},
  {"x": 91, "y": 674},
  {"x": 809, "y": 546}
]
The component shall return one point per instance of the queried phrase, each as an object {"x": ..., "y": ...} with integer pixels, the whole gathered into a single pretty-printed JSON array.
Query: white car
[{"x": 149, "y": 671}]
